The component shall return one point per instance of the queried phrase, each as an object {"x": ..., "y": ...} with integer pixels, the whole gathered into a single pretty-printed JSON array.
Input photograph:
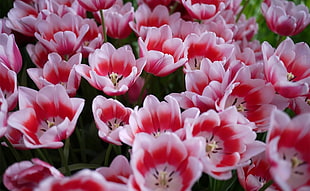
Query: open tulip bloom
[{"x": 154, "y": 95}]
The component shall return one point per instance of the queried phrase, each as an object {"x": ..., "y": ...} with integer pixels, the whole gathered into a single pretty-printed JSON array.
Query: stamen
[
  {"x": 290, "y": 76},
  {"x": 241, "y": 108},
  {"x": 114, "y": 124},
  {"x": 115, "y": 78},
  {"x": 163, "y": 178},
  {"x": 211, "y": 147},
  {"x": 50, "y": 123},
  {"x": 307, "y": 101},
  {"x": 296, "y": 162}
]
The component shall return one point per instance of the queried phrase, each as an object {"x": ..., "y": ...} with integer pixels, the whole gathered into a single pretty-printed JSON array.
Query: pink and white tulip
[
  {"x": 95, "y": 5},
  {"x": 256, "y": 175},
  {"x": 111, "y": 117},
  {"x": 145, "y": 18},
  {"x": 165, "y": 162},
  {"x": 84, "y": 180},
  {"x": 206, "y": 45},
  {"x": 117, "y": 20},
  {"x": 153, "y": 3},
  {"x": 3, "y": 114},
  {"x": 287, "y": 67},
  {"x": 204, "y": 85},
  {"x": 38, "y": 54},
  {"x": 155, "y": 118},
  {"x": 3, "y": 26},
  {"x": 8, "y": 86},
  {"x": 22, "y": 18},
  {"x": 9, "y": 52},
  {"x": 202, "y": 9},
  {"x": 284, "y": 17},
  {"x": 62, "y": 34},
  {"x": 112, "y": 70},
  {"x": 253, "y": 98},
  {"x": 229, "y": 141},
  {"x": 287, "y": 151},
  {"x": 300, "y": 105},
  {"x": 119, "y": 170},
  {"x": 40, "y": 127},
  {"x": 27, "y": 175},
  {"x": 164, "y": 54},
  {"x": 58, "y": 71}
]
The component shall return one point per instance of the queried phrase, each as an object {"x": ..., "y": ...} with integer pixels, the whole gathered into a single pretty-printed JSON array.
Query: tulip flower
[
  {"x": 284, "y": 17},
  {"x": 41, "y": 127}
]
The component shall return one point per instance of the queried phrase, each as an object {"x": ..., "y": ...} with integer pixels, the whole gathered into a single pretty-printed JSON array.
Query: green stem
[
  {"x": 43, "y": 156},
  {"x": 103, "y": 26},
  {"x": 64, "y": 155},
  {"x": 147, "y": 79},
  {"x": 280, "y": 39},
  {"x": 79, "y": 166},
  {"x": 265, "y": 186},
  {"x": 135, "y": 4},
  {"x": 117, "y": 149},
  {"x": 213, "y": 184},
  {"x": 81, "y": 140},
  {"x": 107, "y": 155},
  {"x": 12, "y": 149},
  {"x": 173, "y": 7},
  {"x": 246, "y": 2},
  {"x": 3, "y": 162}
]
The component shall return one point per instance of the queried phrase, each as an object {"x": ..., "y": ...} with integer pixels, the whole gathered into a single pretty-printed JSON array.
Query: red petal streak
[
  {"x": 229, "y": 160},
  {"x": 288, "y": 138},
  {"x": 102, "y": 68},
  {"x": 84, "y": 185},
  {"x": 145, "y": 163},
  {"x": 31, "y": 127},
  {"x": 65, "y": 111},
  {"x": 7, "y": 83},
  {"x": 206, "y": 126},
  {"x": 175, "y": 156},
  {"x": 160, "y": 155},
  {"x": 206, "y": 51}
]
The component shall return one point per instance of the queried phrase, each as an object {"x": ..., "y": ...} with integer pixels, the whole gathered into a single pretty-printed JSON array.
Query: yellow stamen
[
  {"x": 162, "y": 179},
  {"x": 240, "y": 108},
  {"x": 290, "y": 76},
  {"x": 295, "y": 162},
  {"x": 211, "y": 147},
  {"x": 50, "y": 123},
  {"x": 113, "y": 76}
]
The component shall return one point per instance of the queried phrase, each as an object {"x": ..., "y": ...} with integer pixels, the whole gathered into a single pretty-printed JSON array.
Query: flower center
[
  {"x": 211, "y": 147},
  {"x": 50, "y": 123},
  {"x": 239, "y": 105},
  {"x": 241, "y": 108},
  {"x": 195, "y": 63},
  {"x": 296, "y": 162},
  {"x": 308, "y": 101},
  {"x": 158, "y": 133},
  {"x": 114, "y": 124},
  {"x": 163, "y": 178},
  {"x": 115, "y": 78},
  {"x": 290, "y": 76}
]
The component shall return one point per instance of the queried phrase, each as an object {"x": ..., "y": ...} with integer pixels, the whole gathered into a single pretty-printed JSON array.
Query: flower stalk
[{"x": 104, "y": 30}]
